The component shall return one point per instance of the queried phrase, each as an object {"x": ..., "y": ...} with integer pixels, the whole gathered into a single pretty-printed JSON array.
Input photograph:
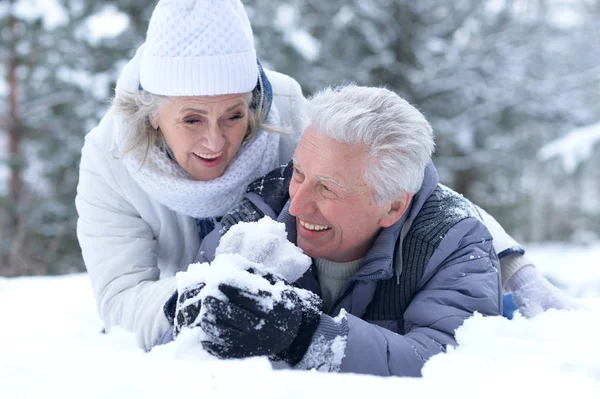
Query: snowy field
[{"x": 51, "y": 347}]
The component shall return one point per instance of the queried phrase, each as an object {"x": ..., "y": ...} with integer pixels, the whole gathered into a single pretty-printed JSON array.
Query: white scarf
[{"x": 166, "y": 182}]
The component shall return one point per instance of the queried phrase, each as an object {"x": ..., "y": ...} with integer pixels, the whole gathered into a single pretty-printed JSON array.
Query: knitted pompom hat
[{"x": 199, "y": 48}]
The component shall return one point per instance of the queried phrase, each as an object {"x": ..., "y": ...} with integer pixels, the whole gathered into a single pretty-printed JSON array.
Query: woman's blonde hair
[{"x": 137, "y": 109}]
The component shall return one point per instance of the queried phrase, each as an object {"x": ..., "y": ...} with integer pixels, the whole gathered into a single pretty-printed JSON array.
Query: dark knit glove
[
  {"x": 182, "y": 310},
  {"x": 169, "y": 307},
  {"x": 247, "y": 325}
]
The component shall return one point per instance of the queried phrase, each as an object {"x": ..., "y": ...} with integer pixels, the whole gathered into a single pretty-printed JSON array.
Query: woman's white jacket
[{"x": 133, "y": 245}]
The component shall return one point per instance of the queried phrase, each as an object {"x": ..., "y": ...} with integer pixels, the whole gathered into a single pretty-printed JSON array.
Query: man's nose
[{"x": 302, "y": 199}]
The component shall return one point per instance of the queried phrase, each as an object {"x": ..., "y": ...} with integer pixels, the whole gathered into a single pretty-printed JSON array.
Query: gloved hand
[
  {"x": 265, "y": 242},
  {"x": 183, "y": 308},
  {"x": 533, "y": 294},
  {"x": 187, "y": 308},
  {"x": 279, "y": 324}
]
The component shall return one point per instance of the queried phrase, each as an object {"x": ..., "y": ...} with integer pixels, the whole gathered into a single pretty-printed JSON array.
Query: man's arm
[{"x": 460, "y": 280}]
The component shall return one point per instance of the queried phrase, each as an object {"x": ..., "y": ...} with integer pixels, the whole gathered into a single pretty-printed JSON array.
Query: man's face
[{"x": 337, "y": 217}]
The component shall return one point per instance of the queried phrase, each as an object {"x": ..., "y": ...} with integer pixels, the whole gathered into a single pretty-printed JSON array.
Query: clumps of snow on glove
[
  {"x": 266, "y": 242},
  {"x": 248, "y": 256}
]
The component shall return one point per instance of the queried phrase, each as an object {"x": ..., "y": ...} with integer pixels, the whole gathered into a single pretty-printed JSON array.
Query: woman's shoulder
[
  {"x": 104, "y": 136},
  {"x": 100, "y": 148},
  {"x": 283, "y": 85}
]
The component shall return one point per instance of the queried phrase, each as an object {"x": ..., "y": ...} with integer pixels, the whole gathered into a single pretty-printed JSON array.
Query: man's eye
[
  {"x": 327, "y": 191},
  {"x": 297, "y": 174}
]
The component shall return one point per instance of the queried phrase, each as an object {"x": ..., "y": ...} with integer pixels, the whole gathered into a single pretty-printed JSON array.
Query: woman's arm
[
  {"x": 533, "y": 294},
  {"x": 119, "y": 251}
]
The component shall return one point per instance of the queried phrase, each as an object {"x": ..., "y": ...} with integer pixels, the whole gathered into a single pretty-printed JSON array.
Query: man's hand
[
  {"x": 534, "y": 294},
  {"x": 183, "y": 308},
  {"x": 279, "y": 324}
]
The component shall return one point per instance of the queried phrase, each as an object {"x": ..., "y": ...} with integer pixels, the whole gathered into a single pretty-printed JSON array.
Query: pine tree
[{"x": 60, "y": 80}]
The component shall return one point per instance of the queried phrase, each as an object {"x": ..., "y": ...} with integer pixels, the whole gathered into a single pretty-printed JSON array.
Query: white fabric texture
[
  {"x": 132, "y": 244},
  {"x": 502, "y": 241},
  {"x": 129, "y": 80},
  {"x": 510, "y": 265},
  {"x": 533, "y": 294},
  {"x": 199, "y": 47},
  {"x": 164, "y": 180}
]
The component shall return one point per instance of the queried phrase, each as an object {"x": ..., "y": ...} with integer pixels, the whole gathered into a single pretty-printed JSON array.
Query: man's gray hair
[
  {"x": 398, "y": 138},
  {"x": 138, "y": 108}
]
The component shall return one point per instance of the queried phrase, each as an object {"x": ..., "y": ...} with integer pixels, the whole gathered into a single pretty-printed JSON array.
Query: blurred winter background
[{"x": 512, "y": 88}]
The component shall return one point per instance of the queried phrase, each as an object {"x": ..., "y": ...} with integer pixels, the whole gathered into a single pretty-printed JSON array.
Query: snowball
[{"x": 266, "y": 242}]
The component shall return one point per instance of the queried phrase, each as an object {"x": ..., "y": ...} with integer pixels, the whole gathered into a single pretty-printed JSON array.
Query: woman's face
[{"x": 203, "y": 132}]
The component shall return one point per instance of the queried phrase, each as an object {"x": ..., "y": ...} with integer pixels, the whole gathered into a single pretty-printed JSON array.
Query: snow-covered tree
[{"x": 61, "y": 60}]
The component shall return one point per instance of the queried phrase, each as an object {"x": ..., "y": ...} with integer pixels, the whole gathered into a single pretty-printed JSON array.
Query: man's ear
[{"x": 396, "y": 210}]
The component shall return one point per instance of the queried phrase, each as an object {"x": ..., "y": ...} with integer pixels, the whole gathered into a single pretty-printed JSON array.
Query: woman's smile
[{"x": 209, "y": 160}]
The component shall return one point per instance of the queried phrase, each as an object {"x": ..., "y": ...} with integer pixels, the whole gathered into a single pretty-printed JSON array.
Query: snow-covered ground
[{"x": 51, "y": 347}]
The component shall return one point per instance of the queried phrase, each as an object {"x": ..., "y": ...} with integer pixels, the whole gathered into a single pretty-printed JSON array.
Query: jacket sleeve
[
  {"x": 461, "y": 278},
  {"x": 118, "y": 249}
]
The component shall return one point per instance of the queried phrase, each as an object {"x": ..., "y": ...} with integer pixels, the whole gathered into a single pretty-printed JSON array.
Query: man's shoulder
[
  {"x": 266, "y": 196},
  {"x": 452, "y": 204},
  {"x": 273, "y": 188},
  {"x": 442, "y": 210}
]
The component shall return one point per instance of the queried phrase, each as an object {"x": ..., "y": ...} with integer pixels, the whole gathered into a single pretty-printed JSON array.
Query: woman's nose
[{"x": 214, "y": 140}]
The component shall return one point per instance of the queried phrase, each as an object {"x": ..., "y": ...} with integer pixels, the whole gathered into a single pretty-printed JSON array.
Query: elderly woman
[{"x": 187, "y": 132}]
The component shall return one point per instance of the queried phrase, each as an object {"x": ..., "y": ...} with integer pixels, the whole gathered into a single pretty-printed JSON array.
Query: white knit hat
[{"x": 199, "y": 48}]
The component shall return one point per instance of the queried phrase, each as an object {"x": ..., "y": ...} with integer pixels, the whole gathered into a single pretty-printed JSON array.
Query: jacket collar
[{"x": 379, "y": 261}]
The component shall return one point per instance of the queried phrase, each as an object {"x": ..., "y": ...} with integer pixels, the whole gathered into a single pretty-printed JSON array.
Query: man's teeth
[
  {"x": 317, "y": 227},
  {"x": 208, "y": 156}
]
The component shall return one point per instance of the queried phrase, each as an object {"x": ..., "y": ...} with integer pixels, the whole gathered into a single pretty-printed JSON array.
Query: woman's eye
[
  {"x": 236, "y": 117},
  {"x": 191, "y": 121}
]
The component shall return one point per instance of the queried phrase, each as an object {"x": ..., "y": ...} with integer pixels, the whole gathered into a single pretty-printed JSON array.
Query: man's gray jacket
[{"x": 422, "y": 278}]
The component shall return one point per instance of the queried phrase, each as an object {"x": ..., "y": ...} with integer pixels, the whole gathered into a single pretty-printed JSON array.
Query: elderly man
[{"x": 399, "y": 261}]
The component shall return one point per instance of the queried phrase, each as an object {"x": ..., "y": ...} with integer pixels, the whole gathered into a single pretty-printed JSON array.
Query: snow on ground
[{"x": 51, "y": 347}]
